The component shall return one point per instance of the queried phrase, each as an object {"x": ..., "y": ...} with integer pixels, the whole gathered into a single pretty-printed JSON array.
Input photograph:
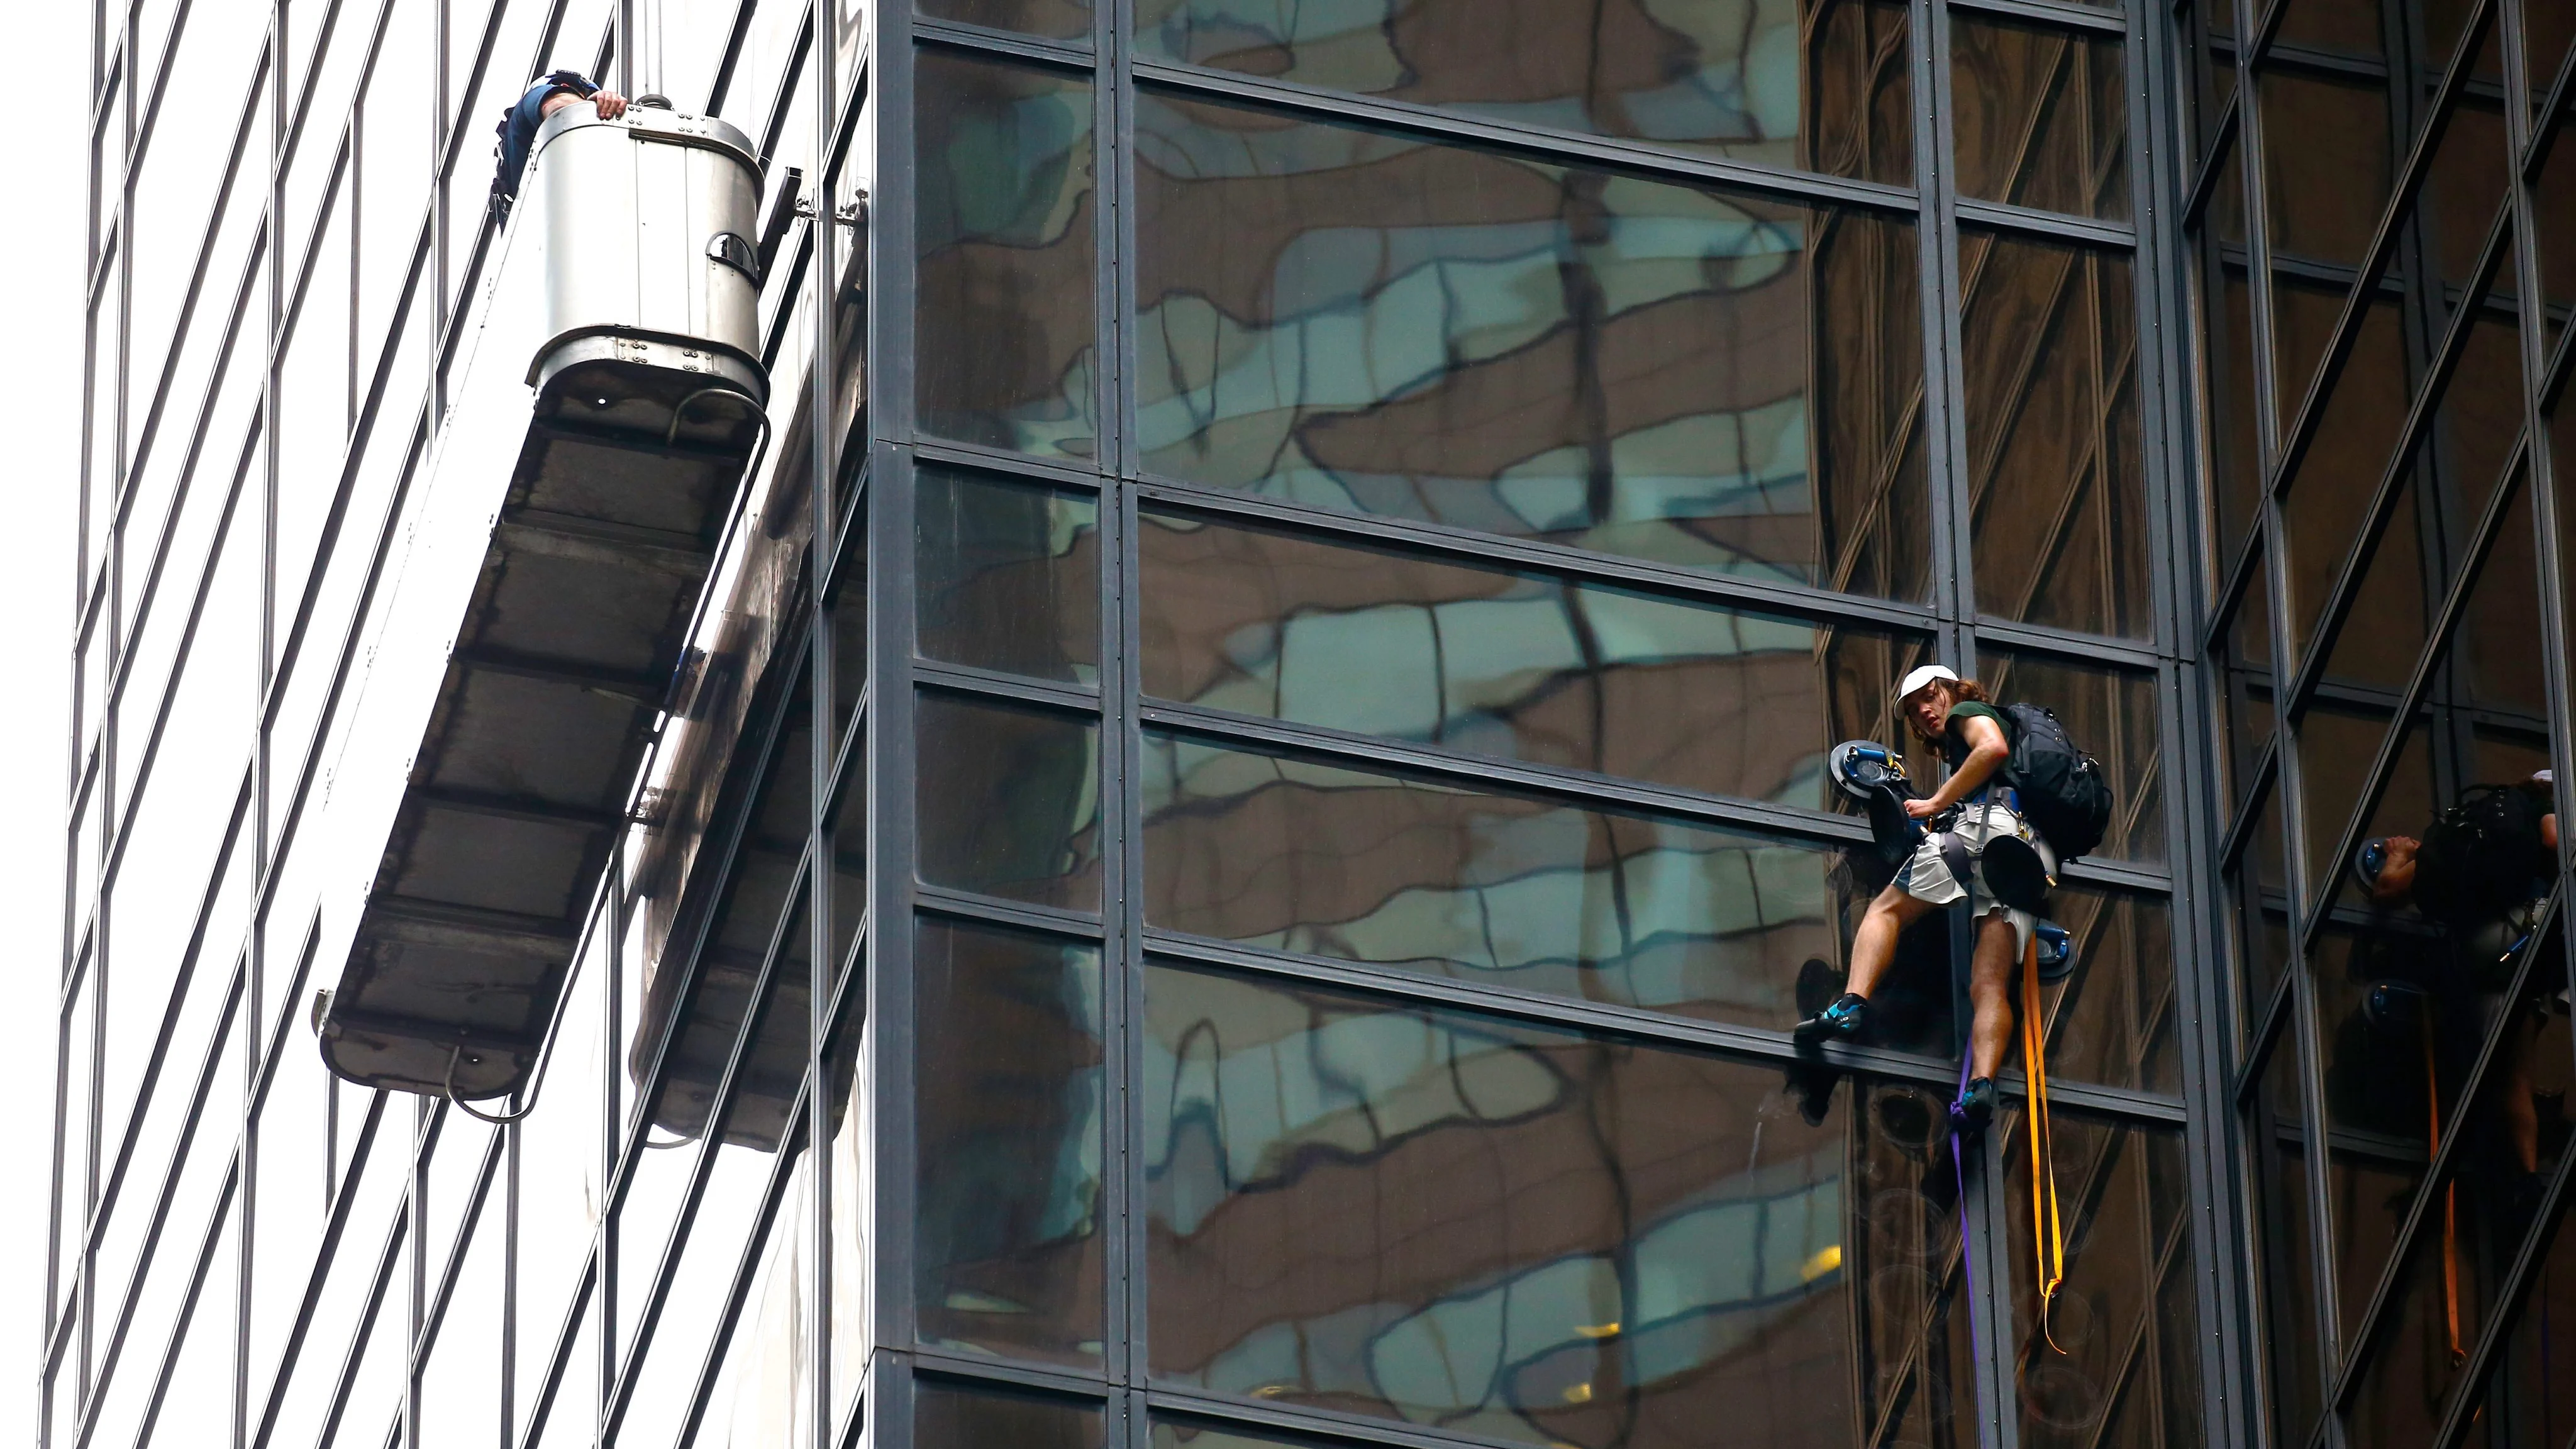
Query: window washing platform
[{"x": 648, "y": 416}]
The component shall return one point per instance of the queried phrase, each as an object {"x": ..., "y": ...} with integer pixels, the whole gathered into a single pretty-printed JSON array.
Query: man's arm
[{"x": 1987, "y": 753}]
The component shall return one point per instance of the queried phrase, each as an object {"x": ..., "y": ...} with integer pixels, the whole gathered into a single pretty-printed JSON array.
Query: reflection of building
[{"x": 1245, "y": 822}]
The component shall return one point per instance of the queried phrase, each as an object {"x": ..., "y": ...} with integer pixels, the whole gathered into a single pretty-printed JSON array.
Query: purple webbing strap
[{"x": 1959, "y": 1169}]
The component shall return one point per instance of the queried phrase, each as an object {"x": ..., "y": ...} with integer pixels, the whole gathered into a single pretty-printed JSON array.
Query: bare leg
[
  {"x": 1874, "y": 944},
  {"x": 1990, "y": 980}
]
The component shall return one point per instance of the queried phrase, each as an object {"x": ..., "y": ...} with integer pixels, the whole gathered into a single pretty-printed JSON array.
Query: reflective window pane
[
  {"x": 1009, "y": 575},
  {"x": 1005, "y": 334},
  {"x": 1521, "y": 665},
  {"x": 2110, "y": 714},
  {"x": 2127, "y": 1365},
  {"x": 1823, "y": 87},
  {"x": 2042, "y": 118},
  {"x": 1293, "y": 854},
  {"x": 1370, "y": 322},
  {"x": 995, "y": 1418},
  {"x": 2057, "y": 485},
  {"x": 1532, "y": 1235},
  {"x": 1010, "y": 1092},
  {"x": 1068, "y": 20},
  {"x": 1009, "y": 801}
]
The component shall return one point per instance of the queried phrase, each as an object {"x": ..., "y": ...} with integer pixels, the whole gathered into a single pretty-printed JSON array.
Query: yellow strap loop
[{"x": 2048, "y": 1237}]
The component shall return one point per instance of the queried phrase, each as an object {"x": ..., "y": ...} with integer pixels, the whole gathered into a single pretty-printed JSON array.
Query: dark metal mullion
[
  {"x": 117, "y": 675},
  {"x": 1492, "y": 550},
  {"x": 354, "y": 1358},
  {"x": 620, "y": 1387},
  {"x": 2419, "y": 688},
  {"x": 885, "y": 1072},
  {"x": 746, "y": 1267},
  {"x": 735, "y": 35},
  {"x": 353, "y": 456},
  {"x": 125, "y": 490},
  {"x": 197, "y": 1275},
  {"x": 2542, "y": 377},
  {"x": 2268, "y": 1025},
  {"x": 2413, "y": 435},
  {"x": 103, "y": 1209},
  {"x": 1124, "y": 1256},
  {"x": 452, "y": 1269},
  {"x": 161, "y": 1206},
  {"x": 551, "y": 1383},
  {"x": 2202, "y": 994},
  {"x": 2241, "y": 827},
  {"x": 2384, "y": 1301},
  {"x": 2300, "y": 1034},
  {"x": 325, "y": 1255},
  {"x": 2383, "y": 242},
  {"x": 2213, "y": 164}
]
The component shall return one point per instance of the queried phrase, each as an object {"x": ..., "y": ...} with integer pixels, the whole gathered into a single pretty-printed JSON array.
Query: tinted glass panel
[
  {"x": 1054, "y": 19},
  {"x": 1293, "y": 854},
  {"x": 1818, "y": 86},
  {"x": 1009, "y": 575},
  {"x": 947, "y": 1418},
  {"x": 2042, "y": 117},
  {"x": 1009, "y": 801},
  {"x": 1365, "y": 321},
  {"x": 1010, "y": 1142},
  {"x": 2128, "y": 1366},
  {"x": 1005, "y": 330},
  {"x": 1522, "y": 665},
  {"x": 2111, "y": 715},
  {"x": 2057, "y": 485},
  {"x": 1531, "y": 1235}
]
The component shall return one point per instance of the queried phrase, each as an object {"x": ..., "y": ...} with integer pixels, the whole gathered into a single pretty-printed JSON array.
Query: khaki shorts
[{"x": 1926, "y": 876}]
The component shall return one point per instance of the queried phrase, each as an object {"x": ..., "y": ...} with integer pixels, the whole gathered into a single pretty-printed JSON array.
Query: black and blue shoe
[
  {"x": 1843, "y": 1020},
  {"x": 1975, "y": 1107}
]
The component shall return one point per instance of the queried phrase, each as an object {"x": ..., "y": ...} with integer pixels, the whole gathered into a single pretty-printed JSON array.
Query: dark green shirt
[{"x": 1954, "y": 732}]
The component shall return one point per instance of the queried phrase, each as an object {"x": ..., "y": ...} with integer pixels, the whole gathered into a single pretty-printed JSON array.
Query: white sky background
[{"x": 41, "y": 248}]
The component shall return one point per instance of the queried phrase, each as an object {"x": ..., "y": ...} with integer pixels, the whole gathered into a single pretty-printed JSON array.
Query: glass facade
[{"x": 1247, "y": 817}]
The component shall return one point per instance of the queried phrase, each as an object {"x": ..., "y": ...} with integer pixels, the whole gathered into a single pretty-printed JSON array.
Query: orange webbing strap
[
  {"x": 2048, "y": 1236},
  {"x": 2450, "y": 1196}
]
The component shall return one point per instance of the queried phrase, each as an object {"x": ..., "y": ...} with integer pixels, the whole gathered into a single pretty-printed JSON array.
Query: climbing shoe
[
  {"x": 1975, "y": 1107},
  {"x": 1843, "y": 1020}
]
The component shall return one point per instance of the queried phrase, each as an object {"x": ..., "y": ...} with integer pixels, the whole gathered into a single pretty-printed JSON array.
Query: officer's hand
[
  {"x": 1919, "y": 810},
  {"x": 611, "y": 104}
]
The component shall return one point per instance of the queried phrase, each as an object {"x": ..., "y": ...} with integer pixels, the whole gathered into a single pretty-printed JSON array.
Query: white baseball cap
[{"x": 1922, "y": 675}]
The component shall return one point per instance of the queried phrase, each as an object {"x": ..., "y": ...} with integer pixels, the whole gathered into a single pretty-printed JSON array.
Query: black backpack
[
  {"x": 2062, "y": 789},
  {"x": 2484, "y": 857}
]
